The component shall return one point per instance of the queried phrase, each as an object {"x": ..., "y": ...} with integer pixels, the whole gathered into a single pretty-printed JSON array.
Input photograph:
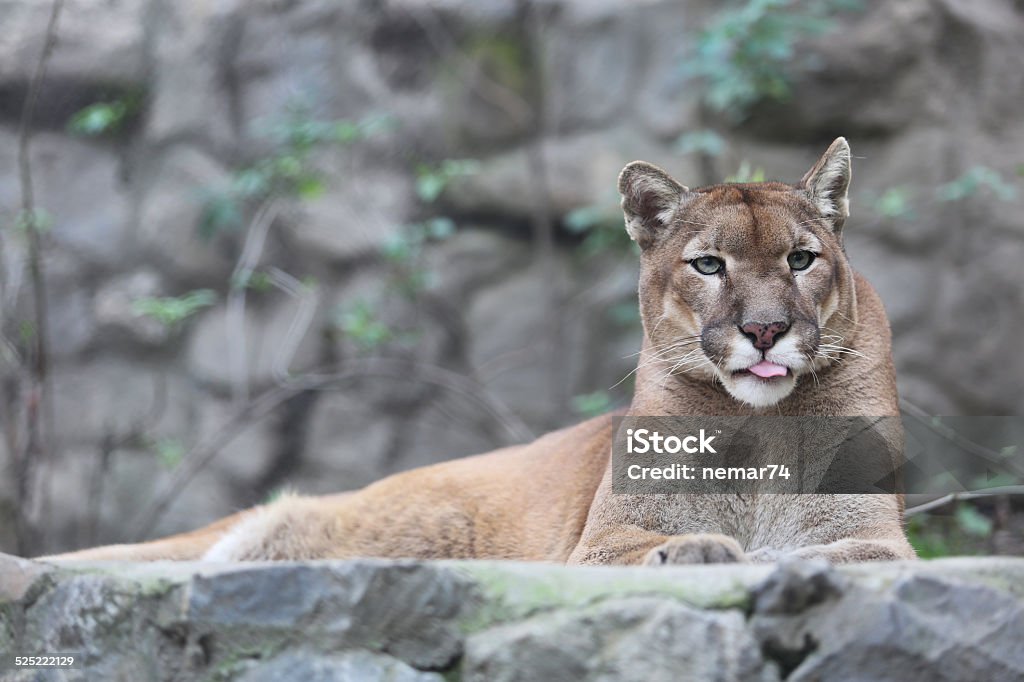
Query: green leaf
[
  {"x": 585, "y": 218},
  {"x": 975, "y": 180},
  {"x": 591, "y": 404},
  {"x": 432, "y": 181},
  {"x": 38, "y": 220},
  {"x": 973, "y": 522},
  {"x": 895, "y": 202},
  {"x": 221, "y": 213},
  {"x": 701, "y": 142},
  {"x": 360, "y": 323},
  {"x": 747, "y": 53},
  {"x": 98, "y": 119},
  {"x": 746, "y": 173},
  {"x": 170, "y": 451},
  {"x": 26, "y": 332},
  {"x": 310, "y": 187},
  {"x": 439, "y": 228},
  {"x": 429, "y": 187},
  {"x": 171, "y": 311}
]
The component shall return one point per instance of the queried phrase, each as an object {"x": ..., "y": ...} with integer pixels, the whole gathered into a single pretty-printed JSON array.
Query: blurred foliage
[
  {"x": 901, "y": 201},
  {"x": 600, "y": 227},
  {"x": 359, "y": 322},
  {"x": 108, "y": 117},
  {"x": 275, "y": 495},
  {"x": 703, "y": 141},
  {"x": 746, "y": 173},
  {"x": 431, "y": 181},
  {"x": 592, "y": 404},
  {"x": 748, "y": 52},
  {"x": 170, "y": 451},
  {"x": 895, "y": 202},
  {"x": 976, "y": 180},
  {"x": 39, "y": 220},
  {"x": 287, "y": 171},
  {"x": 406, "y": 274},
  {"x": 26, "y": 332},
  {"x": 171, "y": 310},
  {"x": 966, "y": 531}
]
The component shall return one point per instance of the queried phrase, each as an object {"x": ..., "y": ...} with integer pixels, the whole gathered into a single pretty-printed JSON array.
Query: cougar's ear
[
  {"x": 828, "y": 182},
  {"x": 650, "y": 199}
]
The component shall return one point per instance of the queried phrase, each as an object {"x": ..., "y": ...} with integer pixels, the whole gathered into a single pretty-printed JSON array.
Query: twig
[
  {"x": 252, "y": 250},
  {"x": 989, "y": 455},
  {"x": 309, "y": 298},
  {"x": 956, "y": 497},
  {"x": 531, "y": 27},
  {"x": 109, "y": 444},
  {"x": 39, "y": 404}
]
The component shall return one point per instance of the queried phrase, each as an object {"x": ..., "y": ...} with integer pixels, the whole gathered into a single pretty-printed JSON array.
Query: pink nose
[{"x": 763, "y": 334}]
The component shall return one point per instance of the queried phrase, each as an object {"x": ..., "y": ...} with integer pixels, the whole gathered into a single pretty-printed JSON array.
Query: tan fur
[{"x": 551, "y": 500}]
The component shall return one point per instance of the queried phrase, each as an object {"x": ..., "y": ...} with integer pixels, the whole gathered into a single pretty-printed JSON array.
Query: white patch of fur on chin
[{"x": 757, "y": 392}]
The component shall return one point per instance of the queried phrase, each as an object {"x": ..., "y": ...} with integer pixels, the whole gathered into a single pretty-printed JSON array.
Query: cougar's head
[{"x": 743, "y": 283}]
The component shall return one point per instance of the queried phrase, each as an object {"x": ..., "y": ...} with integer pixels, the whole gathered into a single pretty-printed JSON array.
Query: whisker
[{"x": 832, "y": 348}]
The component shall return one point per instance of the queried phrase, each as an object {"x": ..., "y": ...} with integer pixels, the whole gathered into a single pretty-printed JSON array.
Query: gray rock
[
  {"x": 346, "y": 445},
  {"x": 79, "y": 187},
  {"x": 350, "y": 667},
  {"x": 366, "y": 210},
  {"x": 406, "y": 610},
  {"x": 214, "y": 346},
  {"x": 169, "y": 212},
  {"x": 510, "y": 336},
  {"x": 473, "y": 259},
  {"x": 921, "y": 74},
  {"x": 100, "y": 41},
  {"x": 619, "y": 639},
  {"x": 114, "y": 307},
  {"x": 797, "y": 585},
  {"x": 906, "y": 284},
  {"x": 191, "y": 72},
  {"x": 581, "y": 171},
  {"x": 920, "y": 627},
  {"x": 110, "y": 397},
  {"x": 955, "y": 619}
]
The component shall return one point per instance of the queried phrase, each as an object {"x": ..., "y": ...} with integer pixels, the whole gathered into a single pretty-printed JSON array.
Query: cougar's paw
[
  {"x": 765, "y": 555},
  {"x": 696, "y": 549}
]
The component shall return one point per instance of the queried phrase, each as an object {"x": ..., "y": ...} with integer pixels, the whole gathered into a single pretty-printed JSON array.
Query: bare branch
[
  {"x": 956, "y": 497},
  {"x": 38, "y": 398},
  {"x": 309, "y": 299},
  {"x": 996, "y": 459},
  {"x": 248, "y": 259}
]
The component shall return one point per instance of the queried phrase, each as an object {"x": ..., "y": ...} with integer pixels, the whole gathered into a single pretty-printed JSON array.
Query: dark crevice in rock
[
  {"x": 788, "y": 658},
  {"x": 796, "y": 586}
]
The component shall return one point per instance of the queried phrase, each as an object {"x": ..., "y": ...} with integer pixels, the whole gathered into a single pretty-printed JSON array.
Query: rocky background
[{"x": 307, "y": 243}]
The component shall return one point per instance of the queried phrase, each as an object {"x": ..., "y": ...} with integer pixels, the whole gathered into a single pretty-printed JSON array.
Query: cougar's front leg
[
  {"x": 630, "y": 545},
  {"x": 848, "y": 550}
]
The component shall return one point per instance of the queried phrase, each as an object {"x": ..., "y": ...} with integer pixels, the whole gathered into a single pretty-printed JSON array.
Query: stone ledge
[{"x": 953, "y": 619}]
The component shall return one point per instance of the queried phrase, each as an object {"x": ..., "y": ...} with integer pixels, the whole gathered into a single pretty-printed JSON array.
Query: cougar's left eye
[
  {"x": 800, "y": 260},
  {"x": 707, "y": 265}
]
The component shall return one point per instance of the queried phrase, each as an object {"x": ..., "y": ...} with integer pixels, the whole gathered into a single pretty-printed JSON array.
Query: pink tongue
[{"x": 765, "y": 369}]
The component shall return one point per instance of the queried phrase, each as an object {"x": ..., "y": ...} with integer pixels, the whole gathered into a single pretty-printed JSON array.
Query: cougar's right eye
[{"x": 707, "y": 265}]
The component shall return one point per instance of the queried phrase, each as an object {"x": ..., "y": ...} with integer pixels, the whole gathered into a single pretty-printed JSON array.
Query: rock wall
[
  {"x": 954, "y": 619},
  {"x": 924, "y": 89}
]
